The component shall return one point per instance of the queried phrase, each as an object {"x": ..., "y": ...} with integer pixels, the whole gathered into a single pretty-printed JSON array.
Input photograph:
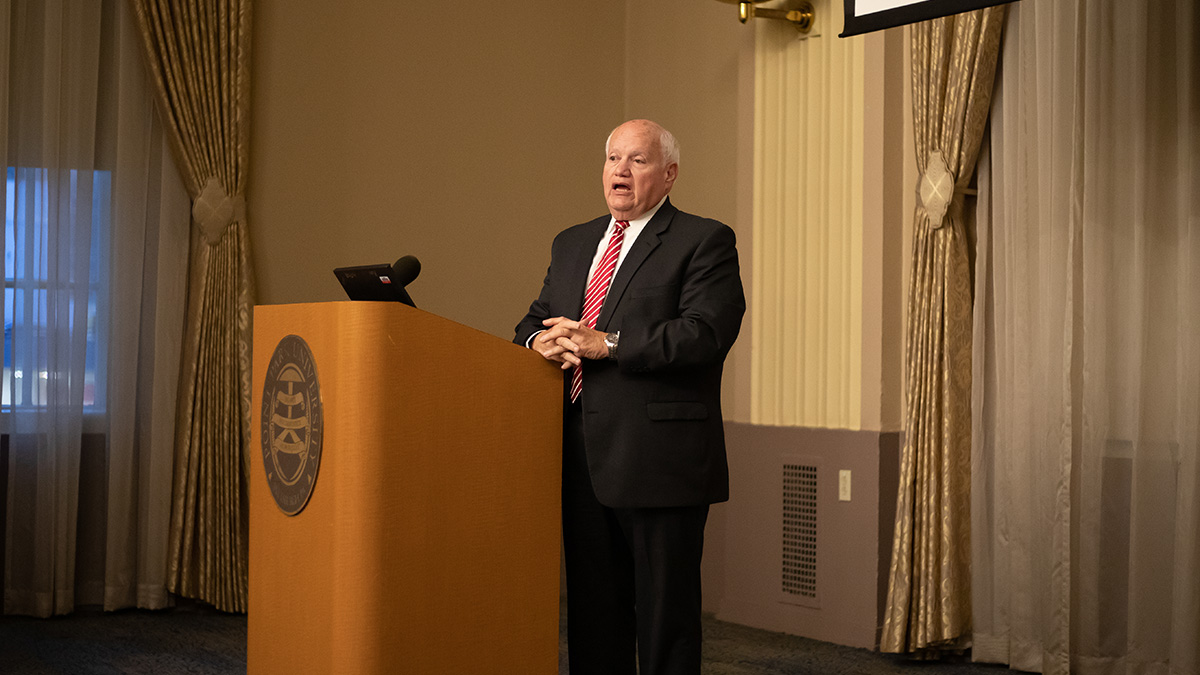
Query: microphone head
[{"x": 405, "y": 270}]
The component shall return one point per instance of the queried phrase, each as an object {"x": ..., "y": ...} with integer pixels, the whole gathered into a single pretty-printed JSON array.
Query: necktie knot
[{"x": 621, "y": 225}]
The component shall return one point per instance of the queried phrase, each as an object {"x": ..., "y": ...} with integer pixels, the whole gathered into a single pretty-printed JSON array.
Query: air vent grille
[{"x": 799, "y": 574}]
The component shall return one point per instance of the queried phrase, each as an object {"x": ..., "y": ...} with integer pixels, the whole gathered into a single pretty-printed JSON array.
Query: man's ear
[{"x": 672, "y": 172}]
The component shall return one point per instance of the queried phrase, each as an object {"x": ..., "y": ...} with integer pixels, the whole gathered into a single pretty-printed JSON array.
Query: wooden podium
[{"x": 430, "y": 541}]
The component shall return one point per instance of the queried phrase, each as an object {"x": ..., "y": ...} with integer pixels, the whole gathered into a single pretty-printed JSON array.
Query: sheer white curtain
[
  {"x": 93, "y": 301},
  {"x": 1087, "y": 358}
]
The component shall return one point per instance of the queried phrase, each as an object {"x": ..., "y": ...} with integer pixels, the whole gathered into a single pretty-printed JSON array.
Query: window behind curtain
[{"x": 27, "y": 248}]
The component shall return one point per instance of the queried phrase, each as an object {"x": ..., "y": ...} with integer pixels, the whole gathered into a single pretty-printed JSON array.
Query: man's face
[{"x": 636, "y": 175}]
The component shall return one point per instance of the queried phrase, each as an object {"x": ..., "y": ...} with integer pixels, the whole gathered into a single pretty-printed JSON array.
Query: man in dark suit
[{"x": 640, "y": 307}]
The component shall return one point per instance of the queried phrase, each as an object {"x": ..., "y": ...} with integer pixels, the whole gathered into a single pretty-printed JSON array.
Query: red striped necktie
[{"x": 597, "y": 289}]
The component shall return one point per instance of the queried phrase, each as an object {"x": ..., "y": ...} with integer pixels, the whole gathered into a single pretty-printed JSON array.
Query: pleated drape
[
  {"x": 198, "y": 55},
  {"x": 929, "y": 594}
]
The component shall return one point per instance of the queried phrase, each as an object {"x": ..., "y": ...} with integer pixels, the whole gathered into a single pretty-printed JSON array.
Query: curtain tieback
[
  {"x": 213, "y": 210},
  {"x": 936, "y": 190}
]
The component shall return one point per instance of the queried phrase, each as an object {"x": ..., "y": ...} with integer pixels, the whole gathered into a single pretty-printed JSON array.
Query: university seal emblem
[{"x": 292, "y": 424}]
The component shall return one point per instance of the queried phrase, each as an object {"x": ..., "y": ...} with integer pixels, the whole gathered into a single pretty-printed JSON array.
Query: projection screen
[{"x": 864, "y": 16}]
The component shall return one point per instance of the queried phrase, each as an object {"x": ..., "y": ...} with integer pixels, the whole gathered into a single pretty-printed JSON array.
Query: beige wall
[
  {"x": 469, "y": 141},
  {"x": 465, "y": 138},
  {"x": 886, "y": 204},
  {"x": 683, "y": 72}
]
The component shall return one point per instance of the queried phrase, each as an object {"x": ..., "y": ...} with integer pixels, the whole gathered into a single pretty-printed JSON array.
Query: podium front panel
[{"x": 430, "y": 541}]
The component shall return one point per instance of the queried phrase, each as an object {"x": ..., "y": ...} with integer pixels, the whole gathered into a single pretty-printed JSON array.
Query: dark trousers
[{"x": 633, "y": 577}]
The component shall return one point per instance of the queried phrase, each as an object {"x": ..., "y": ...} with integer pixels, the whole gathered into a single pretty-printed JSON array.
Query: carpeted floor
[
  {"x": 730, "y": 649},
  {"x": 184, "y": 640},
  {"x": 200, "y": 641}
]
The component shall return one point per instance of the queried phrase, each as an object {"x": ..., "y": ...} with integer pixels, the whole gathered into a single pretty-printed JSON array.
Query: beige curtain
[
  {"x": 1086, "y": 492},
  {"x": 929, "y": 594},
  {"x": 198, "y": 53}
]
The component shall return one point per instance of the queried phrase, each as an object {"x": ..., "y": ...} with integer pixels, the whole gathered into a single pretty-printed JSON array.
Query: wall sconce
[{"x": 802, "y": 17}]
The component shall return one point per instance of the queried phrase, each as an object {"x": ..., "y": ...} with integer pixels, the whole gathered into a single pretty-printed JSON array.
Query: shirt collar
[{"x": 643, "y": 219}]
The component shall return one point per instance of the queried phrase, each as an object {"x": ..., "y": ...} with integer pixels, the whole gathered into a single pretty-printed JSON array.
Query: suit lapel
[
  {"x": 646, "y": 242},
  {"x": 582, "y": 263}
]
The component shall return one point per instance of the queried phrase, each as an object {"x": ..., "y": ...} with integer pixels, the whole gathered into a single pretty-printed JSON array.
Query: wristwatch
[{"x": 610, "y": 341}]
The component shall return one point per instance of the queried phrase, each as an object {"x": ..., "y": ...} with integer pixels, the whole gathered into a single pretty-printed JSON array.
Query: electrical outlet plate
[{"x": 844, "y": 485}]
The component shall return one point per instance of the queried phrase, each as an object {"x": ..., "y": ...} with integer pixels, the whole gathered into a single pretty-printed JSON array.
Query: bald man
[{"x": 640, "y": 308}]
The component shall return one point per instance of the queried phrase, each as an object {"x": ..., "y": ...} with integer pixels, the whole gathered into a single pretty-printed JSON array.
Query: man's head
[{"x": 640, "y": 165}]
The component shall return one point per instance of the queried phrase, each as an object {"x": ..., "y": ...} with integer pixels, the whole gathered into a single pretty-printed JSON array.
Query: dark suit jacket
[{"x": 652, "y": 420}]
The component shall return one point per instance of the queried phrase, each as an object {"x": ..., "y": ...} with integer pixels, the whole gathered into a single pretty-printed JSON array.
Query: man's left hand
[{"x": 587, "y": 343}]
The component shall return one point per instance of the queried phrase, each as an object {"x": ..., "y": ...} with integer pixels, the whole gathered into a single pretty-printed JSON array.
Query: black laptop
[{"x": 372, "y": 282}]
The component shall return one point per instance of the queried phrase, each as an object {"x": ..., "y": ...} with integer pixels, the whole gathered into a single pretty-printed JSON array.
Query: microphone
[{"x": 404, "y": 270}]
